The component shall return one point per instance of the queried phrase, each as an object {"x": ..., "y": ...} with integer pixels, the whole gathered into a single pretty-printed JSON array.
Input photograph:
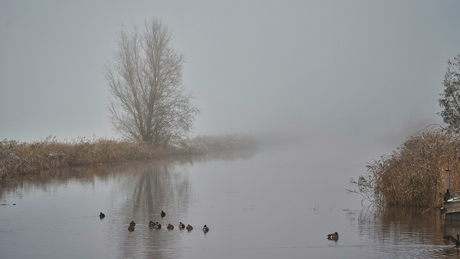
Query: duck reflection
[{"x": 451, "y": 251}]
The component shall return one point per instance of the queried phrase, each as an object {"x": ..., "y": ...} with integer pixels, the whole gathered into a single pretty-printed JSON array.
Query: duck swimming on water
[
  {"x": 101, "y": 215},
  {"x": 181, "y": 225},
  {"x": 189, "y": 227},
  {"x": 454, "y": 240},
  {"x": 205, "y": 229},
  {"x": 333, "y": 236}
]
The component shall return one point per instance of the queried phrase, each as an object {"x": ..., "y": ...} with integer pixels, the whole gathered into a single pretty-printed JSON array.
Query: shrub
[{"x": 413, "y": 175}]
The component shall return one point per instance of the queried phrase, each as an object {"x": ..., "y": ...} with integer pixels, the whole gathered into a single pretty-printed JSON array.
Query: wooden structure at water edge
[{"x": 452, "y": 206}]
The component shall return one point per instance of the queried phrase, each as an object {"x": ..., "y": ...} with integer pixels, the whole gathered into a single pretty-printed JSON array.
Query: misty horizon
[{"x": 371, "y": 72}]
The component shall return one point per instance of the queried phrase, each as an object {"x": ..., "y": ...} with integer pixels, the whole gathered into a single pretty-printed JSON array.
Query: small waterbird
[
  {"x": 131, "y": 228},
  {"x": 446, "y": 196},
  {"x": 189, "y": 228},
  {"x": 181, "y": 225},
  {"x": 132, "y": 223},
  {"x": 157, "y": 225},
  {"x": 101, "y": 215},
  {"x": 170, "y": 227},
  {"x": 151, "y": 224},
  {"x": 454, "y": 240},
  {"x": 333, "y": 236},
  {"x": 205, "y": 229},
  {"x": 163, "y": 214}
]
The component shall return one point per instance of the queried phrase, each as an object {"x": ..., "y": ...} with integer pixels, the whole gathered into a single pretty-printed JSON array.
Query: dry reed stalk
[
  {"x": 413, "y": 175},
  {"x": 24, "y": 158}
]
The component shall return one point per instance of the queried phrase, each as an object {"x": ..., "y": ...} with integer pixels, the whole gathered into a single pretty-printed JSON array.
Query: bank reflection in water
[
  {"x": 415, "y": 232},
  {"x": 136, "y": 191},
  {"x": 67, "y": 203}
]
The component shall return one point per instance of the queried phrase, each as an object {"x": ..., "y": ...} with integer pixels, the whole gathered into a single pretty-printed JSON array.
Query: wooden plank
[{"x": 452, "y": 206}]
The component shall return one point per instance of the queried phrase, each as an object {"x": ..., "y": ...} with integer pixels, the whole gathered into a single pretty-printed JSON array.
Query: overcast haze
[{"x": 370, "y": 71}]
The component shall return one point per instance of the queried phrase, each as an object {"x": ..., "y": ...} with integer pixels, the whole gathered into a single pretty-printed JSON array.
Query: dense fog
[{"x": 367, "y": 73}]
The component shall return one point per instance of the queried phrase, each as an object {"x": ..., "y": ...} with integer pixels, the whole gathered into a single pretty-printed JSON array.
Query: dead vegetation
[
  {"x": 19, "y": 158},
  {"x": 414, "y": 174}
]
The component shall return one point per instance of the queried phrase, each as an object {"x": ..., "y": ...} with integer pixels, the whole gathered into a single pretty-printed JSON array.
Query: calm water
[{"x": 279, "y": 203}]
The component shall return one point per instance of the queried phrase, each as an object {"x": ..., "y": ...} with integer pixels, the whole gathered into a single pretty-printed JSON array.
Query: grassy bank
[
  {"x": 18, "y": 158},
  {"x": 414, "y": 174}
]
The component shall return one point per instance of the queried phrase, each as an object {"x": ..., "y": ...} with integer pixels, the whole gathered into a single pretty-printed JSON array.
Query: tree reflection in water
[
  {"x": 143, "y": 191},
  {"x": 136, "y": 191}
]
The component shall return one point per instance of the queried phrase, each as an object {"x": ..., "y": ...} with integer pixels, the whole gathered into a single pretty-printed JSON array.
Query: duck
[
  {"x": 157, "y": 225},
  {"x": 333, "y": 236},
  {"x": 151, "y": 224},
  {"x": 131, "y": 228},
  {"x": 163, "y": 214},
  {"x": 453, "y": 239},
  {"x": 205, "y": 229},
  {"x": 189, "y": 228},
  {"x": 132, "y": 223},
  {"x": 181, "y": 225},
  {"x": 101, "y": 215},
  {"x": 446, "y": 196},
  {"x": 170, "y": 227}
]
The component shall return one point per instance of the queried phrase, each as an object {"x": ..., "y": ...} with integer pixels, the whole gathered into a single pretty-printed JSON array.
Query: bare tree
[{"x": 149, "y": 102}]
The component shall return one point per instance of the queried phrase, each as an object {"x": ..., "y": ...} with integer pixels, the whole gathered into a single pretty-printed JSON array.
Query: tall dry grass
[
  {"x": 414, "y": 174},
  {"x": 18, "y": 158}
]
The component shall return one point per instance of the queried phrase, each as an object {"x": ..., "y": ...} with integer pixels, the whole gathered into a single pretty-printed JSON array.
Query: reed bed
[
  {"x": 414, "y": 174},
  {"x": 19, "y": 158}
]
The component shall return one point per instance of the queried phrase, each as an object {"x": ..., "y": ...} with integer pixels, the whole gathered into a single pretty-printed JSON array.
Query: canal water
[{"x": 277, "y": 202}]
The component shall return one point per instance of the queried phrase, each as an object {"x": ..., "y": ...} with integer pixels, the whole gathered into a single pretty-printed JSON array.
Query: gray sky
[{"x": 369, "y": 70}]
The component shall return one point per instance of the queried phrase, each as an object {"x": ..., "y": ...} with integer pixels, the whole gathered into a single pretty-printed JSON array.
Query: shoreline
[{"x": 24, "y": 158}]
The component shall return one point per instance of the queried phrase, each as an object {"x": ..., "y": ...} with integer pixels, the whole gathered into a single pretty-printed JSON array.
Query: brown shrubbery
[
  {"x": 414, "y": 174},
  {"x": 22, "y": 158}
]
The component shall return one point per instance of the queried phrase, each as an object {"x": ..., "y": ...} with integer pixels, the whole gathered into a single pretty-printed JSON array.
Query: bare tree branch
[{"x": 148, "y": 100}]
